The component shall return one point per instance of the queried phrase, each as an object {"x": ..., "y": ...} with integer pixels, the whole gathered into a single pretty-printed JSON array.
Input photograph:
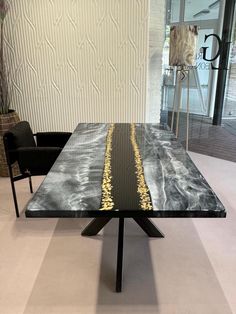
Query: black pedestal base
[{"x": 98, "y": 223}]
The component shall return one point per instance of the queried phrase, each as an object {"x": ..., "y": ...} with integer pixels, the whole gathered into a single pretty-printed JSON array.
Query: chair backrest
[{"x": 20, "y": 135}]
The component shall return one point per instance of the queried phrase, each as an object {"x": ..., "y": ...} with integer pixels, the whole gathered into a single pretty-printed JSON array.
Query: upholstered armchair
[{"x": 34, "y": 153}]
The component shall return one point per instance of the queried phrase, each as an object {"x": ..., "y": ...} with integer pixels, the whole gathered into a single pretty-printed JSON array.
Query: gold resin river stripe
[
  {"x": 143, "y": 191},
  {"x": 107, "y": 199}
]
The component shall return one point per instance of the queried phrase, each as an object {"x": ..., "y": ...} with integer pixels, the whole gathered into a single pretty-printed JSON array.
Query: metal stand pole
[
  {"x": 173, "y": 108},
  {"x": 179, "y": 104},
  {"x": 187, "y": 131}
]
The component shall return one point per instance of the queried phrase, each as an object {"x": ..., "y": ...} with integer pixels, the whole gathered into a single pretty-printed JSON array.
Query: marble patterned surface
[
  {"x": 73, "y": 186},
  {"x": 74, "y": 182},
  {"x": 174, "y": 181}
]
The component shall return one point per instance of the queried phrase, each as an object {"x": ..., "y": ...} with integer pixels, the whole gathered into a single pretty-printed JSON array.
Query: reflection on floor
[
  {"x": 208, "y": 139},
  {"x": 230, "y": 125},
  {"x": 47, "y": 267}
]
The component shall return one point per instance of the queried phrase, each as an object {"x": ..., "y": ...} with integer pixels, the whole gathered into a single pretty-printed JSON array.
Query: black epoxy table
[{"x": 123, "y": 171}]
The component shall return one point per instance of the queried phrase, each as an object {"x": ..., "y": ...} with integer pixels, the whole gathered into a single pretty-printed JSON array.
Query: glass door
[
  {"x": 206, "y": 15},
  {"x": 230, "y": 96}
]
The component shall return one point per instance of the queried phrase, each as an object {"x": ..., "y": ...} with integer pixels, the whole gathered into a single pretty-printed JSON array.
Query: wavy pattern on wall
[
  {"x": 78, "y": 61},
  {"x": 156, "y": 43}
]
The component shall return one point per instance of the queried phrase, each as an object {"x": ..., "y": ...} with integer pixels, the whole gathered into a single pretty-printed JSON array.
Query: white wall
[
  {"x": 156, "y": 42},
  {"x": 78, "y": 61}
]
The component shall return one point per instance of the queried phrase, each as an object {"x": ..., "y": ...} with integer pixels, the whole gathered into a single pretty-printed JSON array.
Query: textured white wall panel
[
  {"x": 78, "y": 61},
  {"x": 156, "y": 44}
]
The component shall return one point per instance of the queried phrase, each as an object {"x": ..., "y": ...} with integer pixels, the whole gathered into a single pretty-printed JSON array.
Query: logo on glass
[{"x": 221, "y": 45}]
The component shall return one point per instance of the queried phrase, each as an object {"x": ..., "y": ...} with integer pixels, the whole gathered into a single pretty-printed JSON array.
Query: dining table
[{"x": 124, "y": 171}]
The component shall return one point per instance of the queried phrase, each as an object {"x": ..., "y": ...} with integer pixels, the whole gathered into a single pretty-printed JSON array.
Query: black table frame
[
  {"x": 98, "y": 224},
  {"x": 140, "y": 216}
]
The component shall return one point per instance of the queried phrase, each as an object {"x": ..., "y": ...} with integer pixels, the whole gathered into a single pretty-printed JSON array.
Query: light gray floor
[{"x": 47, "y": 267}]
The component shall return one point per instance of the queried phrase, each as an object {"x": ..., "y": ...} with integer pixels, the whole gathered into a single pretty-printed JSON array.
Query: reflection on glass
[
  {"x": 203, "y": 66},
  {"x": 201, "y": 10},
  {"x": 174, "y": 11}
]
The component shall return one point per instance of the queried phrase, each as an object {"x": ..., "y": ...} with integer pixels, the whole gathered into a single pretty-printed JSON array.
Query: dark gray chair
[{"x": 33, "y": 157}]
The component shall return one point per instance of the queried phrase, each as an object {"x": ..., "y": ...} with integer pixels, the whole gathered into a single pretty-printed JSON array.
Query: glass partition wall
[
  {"x": 208, "y": 16},
  {"x": 204, "y": 137},
  {"x": 229, "y": 112}
]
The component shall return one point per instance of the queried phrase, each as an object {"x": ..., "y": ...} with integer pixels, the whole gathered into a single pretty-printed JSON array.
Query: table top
[{"x": 124, "y": 170}]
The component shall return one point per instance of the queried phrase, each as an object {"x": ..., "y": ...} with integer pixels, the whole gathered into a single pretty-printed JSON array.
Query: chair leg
[
  {"x": 15, "y": 200},
  {"x": 30, "y": 184},
  {"x": 13, "y": 191}
]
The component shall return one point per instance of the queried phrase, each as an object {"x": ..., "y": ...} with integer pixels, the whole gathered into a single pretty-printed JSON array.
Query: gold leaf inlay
[
  {"x": 145, "y": 200},
  {"x": 107, "y": 200}
]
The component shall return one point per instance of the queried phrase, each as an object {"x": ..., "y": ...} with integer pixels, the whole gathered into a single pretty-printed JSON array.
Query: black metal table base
[
  {"x": 95, "y": 226},
  {"x": 98, "y": 224},
  {"x": 119, "y": 267}
]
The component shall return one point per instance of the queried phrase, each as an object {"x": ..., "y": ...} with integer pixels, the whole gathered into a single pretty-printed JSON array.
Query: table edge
[{"x": 125, "y": 214}]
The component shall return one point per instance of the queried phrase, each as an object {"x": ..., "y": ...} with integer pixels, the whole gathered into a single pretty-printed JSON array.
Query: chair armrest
[
  {"x": 52, "y": 139},
  {"x": 37, "y": 160}
]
